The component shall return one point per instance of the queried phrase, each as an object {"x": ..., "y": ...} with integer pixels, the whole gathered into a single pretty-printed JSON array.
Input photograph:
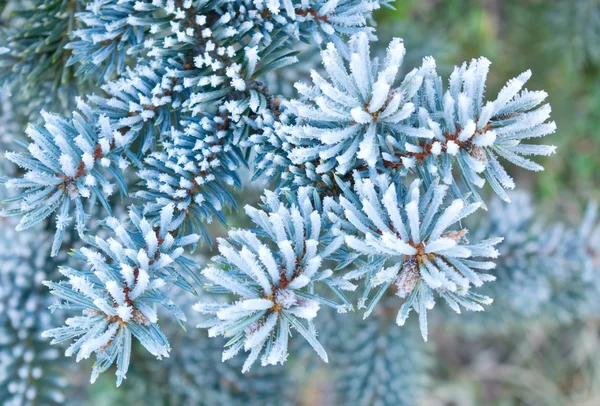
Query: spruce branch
[
  {"x": 427, "y": 256},
  {"x": 33, "y": 55},
  {"x": 119, "y": 293},
  {"x": 275, "y": 285}
]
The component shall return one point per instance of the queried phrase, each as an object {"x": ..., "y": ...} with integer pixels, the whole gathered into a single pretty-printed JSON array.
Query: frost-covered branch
[
  {"x": 119, "y": 292},
  {"x": 273, "y": 272},
  {"x": 371, "y": 174},
  {"x": 409, "y": 236}
]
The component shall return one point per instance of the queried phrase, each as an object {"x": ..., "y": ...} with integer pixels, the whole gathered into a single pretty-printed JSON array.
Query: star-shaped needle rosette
[
  {"x": 409, "y": 241},
  {"x": 341, "y": 123},
  {"x": 274, "y": 272}
]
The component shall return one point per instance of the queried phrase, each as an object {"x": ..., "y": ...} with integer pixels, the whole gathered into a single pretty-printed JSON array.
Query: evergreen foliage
[
  {"x": 381, "y": 365},
  {"x": 195, "y": 374},
  {"x": 546, "y": 270},
  {"x": 30, "y": 371},
  {"x": 275, "y": 286},
  {"x": 412, "y": 234},
  {"x": 119, "y": 294},
  {"x": 149, "y": 119},
  {"x": 33, "y": 55}
]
